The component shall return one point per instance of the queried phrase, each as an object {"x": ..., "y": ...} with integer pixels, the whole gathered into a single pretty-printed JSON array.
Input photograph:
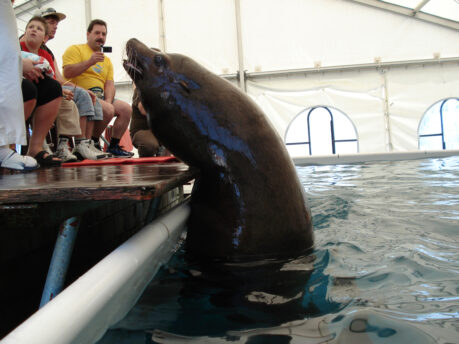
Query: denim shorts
[
  {"x": 100, "y": 94},
  {"x": 84, "y": 103}
]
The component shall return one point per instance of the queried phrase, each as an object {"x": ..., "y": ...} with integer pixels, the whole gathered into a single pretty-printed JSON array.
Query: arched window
[
  {"x": 439, "y": 127},
  {"x": 321, "y": 130}
]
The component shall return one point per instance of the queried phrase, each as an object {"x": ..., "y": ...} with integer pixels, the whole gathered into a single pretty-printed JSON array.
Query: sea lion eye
[{"x": 158, "y": 60}]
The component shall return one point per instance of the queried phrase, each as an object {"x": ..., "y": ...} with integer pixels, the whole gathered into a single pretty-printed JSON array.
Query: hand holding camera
[
  {"x": 98, "y": 56},
  {"x": 105, "y": 49}
]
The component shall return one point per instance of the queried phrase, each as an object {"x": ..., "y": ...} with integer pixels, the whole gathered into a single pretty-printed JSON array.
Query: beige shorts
[{"x": 68, "y": 119}]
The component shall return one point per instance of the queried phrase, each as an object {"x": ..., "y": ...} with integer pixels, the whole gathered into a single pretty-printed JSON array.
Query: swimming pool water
[{"x": 385, "y": 269}]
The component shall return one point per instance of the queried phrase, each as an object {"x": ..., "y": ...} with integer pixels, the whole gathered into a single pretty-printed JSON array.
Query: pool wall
[{"x": 365, "y": 157}]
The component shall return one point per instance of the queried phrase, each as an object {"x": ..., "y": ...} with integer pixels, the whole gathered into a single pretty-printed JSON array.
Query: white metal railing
[{"x": 101, "y": 297}]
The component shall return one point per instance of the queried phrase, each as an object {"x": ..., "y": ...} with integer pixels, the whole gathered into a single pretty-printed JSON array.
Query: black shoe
[{"x": 119, "y": 152}]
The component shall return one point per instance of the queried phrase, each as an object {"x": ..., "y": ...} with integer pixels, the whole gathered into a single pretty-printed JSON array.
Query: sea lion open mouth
[{"x": 132, "y": 65}]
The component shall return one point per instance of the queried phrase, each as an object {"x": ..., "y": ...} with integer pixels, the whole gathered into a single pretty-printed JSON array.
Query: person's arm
[
  {"x": 59, "y": 76},
  {"x": 73, "y": 70},
  {"x": 30, "y": 71},
  {"x": 66, "y": 93},
  {"x": 109, "y": 91},
  {"x": 64, "y": 82}
]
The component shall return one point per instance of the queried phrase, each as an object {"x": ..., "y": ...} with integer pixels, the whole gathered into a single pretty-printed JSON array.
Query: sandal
[{"x": 48, "y": 161}]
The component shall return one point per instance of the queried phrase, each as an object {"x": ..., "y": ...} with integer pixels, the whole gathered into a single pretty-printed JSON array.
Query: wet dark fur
[{"x": 248, "y": 202}]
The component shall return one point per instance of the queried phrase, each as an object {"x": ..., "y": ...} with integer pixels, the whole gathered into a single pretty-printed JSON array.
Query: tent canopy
[{"x": 382, "y": 63}]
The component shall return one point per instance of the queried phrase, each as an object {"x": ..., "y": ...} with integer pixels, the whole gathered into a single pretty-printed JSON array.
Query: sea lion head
[
  {"x": 187, "y": 105},
  {"x": 165, "y": 90},
  {"x": 153, "y": 73}
]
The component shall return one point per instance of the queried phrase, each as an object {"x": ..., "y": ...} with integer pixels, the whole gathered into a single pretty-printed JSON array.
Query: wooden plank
[{"x": 108, "y": 182}]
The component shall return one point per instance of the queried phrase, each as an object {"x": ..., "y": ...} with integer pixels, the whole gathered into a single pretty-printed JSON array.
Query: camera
[{"x": 105, "y": 49}]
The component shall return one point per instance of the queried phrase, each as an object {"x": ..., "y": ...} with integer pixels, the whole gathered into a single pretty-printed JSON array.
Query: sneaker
[
  {"x": 83, "y": 151},
  {"x": 95, "y": 147},
  {"x": 47, "y": 147},
  {"x": 63, "y": 151},
  {"x": 119, "y": 152},
  {"x": 14, "y": 161}
]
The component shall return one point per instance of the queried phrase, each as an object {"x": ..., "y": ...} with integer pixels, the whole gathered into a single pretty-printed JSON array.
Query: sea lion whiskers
[{"x": 131, "y": 66}]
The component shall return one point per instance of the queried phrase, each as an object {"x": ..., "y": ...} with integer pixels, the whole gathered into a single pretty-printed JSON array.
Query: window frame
[
  {"x": 442, "y": 133},
  {"x": 332, "y": 129}
]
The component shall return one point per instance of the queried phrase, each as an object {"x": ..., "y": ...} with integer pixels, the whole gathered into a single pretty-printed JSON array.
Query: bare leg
[
  {"x": 86, "y": 127},
  {"x": 108, "y": 111},
  {"x": 123, "y": 116},
  {"x": 89, "y": 128},
  {"x": 43, "y": 119},
  {"x": 28, "y": 107},
  {"x": 83, "y": 121}
]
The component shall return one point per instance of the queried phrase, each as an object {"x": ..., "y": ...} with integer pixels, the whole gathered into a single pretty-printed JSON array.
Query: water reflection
[
  {"x": 384, "y": 270},
  {"x": 193, "y": 300}
]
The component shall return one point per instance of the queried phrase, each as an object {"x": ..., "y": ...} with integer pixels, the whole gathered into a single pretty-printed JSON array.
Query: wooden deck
[
  {"x": 112, "y": 202},
  {"x": 83, "y": 183}
]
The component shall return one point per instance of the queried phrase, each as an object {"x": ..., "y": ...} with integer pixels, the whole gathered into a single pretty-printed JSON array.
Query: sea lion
[{"x": 247, "y": 203}]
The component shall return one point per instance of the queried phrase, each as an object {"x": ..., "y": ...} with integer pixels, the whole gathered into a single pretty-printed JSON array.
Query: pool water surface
[{"x": 385, "y": 269}]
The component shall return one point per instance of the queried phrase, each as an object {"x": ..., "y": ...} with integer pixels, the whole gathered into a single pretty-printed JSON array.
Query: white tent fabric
[
  {"x": 411, "y": 91},
  {"x": 275, "y": 34},
  {"x": 299, "y": 34},
  {"x": 338, "y": 43},
  {"x": 360, "y": 97}
]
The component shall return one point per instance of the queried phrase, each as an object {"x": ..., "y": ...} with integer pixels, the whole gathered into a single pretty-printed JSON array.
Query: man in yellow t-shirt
[{"x": 86, "y": 66}]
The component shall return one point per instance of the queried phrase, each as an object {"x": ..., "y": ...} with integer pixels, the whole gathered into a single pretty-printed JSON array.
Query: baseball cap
[{"x": 52, "y": 12}]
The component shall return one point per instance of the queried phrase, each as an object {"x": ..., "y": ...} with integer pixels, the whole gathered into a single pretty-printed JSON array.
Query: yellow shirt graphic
[{"x": 94, "y": 76}]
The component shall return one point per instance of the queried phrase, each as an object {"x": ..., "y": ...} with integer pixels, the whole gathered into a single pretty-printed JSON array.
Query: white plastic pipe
[
  {"x": 102, "y": 296},
  {"x": 368, "y": 157}
]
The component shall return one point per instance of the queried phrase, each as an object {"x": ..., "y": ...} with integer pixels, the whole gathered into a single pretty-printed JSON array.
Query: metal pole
[
  {"x": 240, "y": 52},
  {"x": 387, "y": 113},
  {"x": 162, "y": 29},
  {"x": 60, "y": 260},
  {"x": 443, "y": 144},
  {"x": 88, "y": 11}
]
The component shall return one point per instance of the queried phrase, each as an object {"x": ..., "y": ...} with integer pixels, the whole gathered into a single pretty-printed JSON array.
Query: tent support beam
[
  {"x": 162, "y": 28},
  {"x": 410, "y": 12},
  {"x": 389, "y": 146},
  {"x": 268, "y": 74},
  {"x": 331, "y": 69},
  {"x": 419, "y": 7},
  {"x": 29, "y": 6},
  {"x": 88, "y": 11},
  {"x": 240, "y": 53}
]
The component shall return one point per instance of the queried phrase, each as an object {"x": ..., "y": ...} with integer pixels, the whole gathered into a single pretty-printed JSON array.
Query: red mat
[{"x": 121, "y": 161}]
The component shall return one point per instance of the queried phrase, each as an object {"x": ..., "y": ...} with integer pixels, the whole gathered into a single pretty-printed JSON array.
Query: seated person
[
  {"x": 49, "y": 96},
  {"x": 86, "y": 66},
  {"x": 67, "y": 121},
  {"x": 12, "y": 128},
  {"x": 89, "y": 107},
  {"x": 141, "y": 135}
]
